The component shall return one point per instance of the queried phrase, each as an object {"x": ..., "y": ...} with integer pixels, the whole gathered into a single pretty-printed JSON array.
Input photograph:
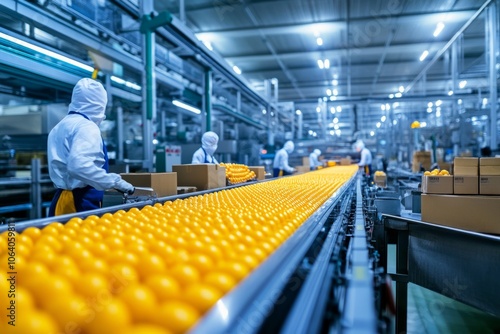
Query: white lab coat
[
  {"x": 313, "y": 160},
  {"x": 366, "y": 157},
  {"x": 201, "y": 157},
  {"x": 75, "y": 148},
  {"x": 281, "y": 161}
]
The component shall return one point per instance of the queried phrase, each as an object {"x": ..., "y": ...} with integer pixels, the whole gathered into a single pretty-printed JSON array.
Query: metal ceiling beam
[
  {"x": 325, "y": 25},
  {"x": 337, "y": 52},
  {"x": 448, "y": 44}
]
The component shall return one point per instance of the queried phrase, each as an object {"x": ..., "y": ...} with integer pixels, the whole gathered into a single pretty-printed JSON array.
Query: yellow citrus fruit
[
  {"x": 140, "y": 301},
  {"x": 219, "y": 280},
  {"x": 176, "y": 316},
  {"x": 110, "y": 317},
  {"x": 164, "y": 286},
  {"x": 201, "y": 296}
]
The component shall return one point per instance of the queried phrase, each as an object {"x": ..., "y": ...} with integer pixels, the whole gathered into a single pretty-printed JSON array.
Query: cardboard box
[
  {"x": 305, "y": 161},
  {"x": 489, "y": 162},
  {"x": 164, "y": 184},
  {"x": 465, "y": 171},
  {"x": 466, "y": 162},
  {"x": 489, "y": 170},
  {"x": 437, "y": 184},
  {"x": 380, "y": 178},
  {"x": 260, "y": 171},
  {"x": 476, "y": 213},
  {"x": 466, "y": 185},
  {"x": 302, "y": 169},
  {"x": 489, "y": 185},
  {"x": 201, "y": 176},
  {"x": 345, "y": 161},
  {"x": 381, "y": 184}
]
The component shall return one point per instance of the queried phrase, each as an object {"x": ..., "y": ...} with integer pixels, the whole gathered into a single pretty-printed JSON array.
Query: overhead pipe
[
  {"x": 237, "y": 115},
  {"x": 491, "y": 22}
]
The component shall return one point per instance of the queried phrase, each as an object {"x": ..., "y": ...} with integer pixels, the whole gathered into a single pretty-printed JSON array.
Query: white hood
[
  {"x": 289, "y": 146},
  {"x": 89, "y": 98}
]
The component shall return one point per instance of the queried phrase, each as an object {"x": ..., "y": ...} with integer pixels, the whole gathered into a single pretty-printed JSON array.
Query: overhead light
[
  {"x": 391, "y": 96},
  {"x": 126, "y": 83},
  {"x": 332, "y": 132},
  {"x": 298, "y": 112},
  {"x": 327, "y": 63},
  {"x": 332, "y": 110},
  {"x": 335, "y": 92},
  {"x": 272, "y": 114},
  {"x": 382, "y": 107},
  {"x": 438, "y": 113},
  {"x": 335, "y": 120},
  {"x": 186, "y": 106},
  {"x": 378, "y": 124},
  {"x": 332, "y": 98},
  {"x": 319, "y": 41},
  {"x": 264, "y": 111},
  {"x": 430, "y": 104},
  {"x": 438, "y": 103},
  {"x": 398, "y": 95},
  {"x": 320, "y": 64},
  {"x": 438, "y": 109},
  {"x": 236, "y": 69},
  {"x": 383, "y": 118},
  {"x": 318, "y": 109},
  {"x": 394, "y": 122},
  {"x": 335, "y": 82},
  {"x": 328, "y": 92},
  {"x": 325, "y": 98},
  {"x": 424, "y": 55},
  {"x": 387, "y": 106},
  {"x": 485, "y": 101},
  {"x": 459, "y": 101},
  {"x": 439, "y": 28},
  {"x": 310, "y": 132},
  {"x": 372, "y": 133},
  {"x": 423, "y": 124},
  {"x": 336, "y": 126},
  {"x": 450, "y": 93},
  {"x": 429, "y": 110},
  {"x": 395, "y": 105},
  {"x": 339, "y": 109},
  {"x": 46, "y": 52},
  {"x": 462, "y": 84},
  {"x": 338, "y": 132},
  {"x": 207, "y": 43},
  {"x": 401, "y": 89}
]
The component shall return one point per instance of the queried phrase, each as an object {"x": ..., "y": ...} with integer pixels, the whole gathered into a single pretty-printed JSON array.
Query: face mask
[{"x": 211, "y": 150}]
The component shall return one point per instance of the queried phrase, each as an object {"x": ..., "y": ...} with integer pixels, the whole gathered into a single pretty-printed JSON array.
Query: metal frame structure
[{"x": 458, "y": 264}]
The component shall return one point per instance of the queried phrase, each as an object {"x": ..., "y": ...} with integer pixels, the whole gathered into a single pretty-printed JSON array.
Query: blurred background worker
[
  {"x": 314, "y": 159},
  {"x": 280, "y": 164},
  {"x": 77, "y": 156},
  {"x": 205, "y": 154},
  {"x": 365, "y": 161}
]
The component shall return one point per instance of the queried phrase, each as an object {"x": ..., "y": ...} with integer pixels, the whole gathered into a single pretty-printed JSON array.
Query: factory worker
[
  {"x": 313, "y": 159},
  {"x": 205, "y": 154},
  {"x": 280, "y": 164},
  {"x": 365, "y": 161},
  {"x": 77, "y": 156}
]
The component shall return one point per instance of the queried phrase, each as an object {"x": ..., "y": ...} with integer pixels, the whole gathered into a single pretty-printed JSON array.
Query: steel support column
[
  {"x": 207, "y": 99},
  {"x": 492, "y": 62},
  {"x": 36, "y": 190},
  {"x": 119, "y": 127}
]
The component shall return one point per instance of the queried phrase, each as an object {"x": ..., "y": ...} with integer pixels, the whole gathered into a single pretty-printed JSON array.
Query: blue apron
[
  {"x": 86, "y": 198},
  {"x": 206, "y": 159}
]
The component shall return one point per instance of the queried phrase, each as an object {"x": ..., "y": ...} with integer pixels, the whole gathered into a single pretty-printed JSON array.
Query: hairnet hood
[
  {"x": 359, "y": 145},
  {"x": 209, "y": 142},
  {"x": 89, "y": 98},
  {"x": 289, "y": 146},
  {"x": 317, "y": 152}
]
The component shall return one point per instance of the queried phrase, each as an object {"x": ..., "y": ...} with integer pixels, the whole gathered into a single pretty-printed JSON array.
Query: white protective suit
[
  {"x": 205, "y": 154},
  {"x": 281, "y": 158},
  {"x": 75, "y": 147},
  {"x": 366, "y": 155},
  {"x": 313, "y": 159}
]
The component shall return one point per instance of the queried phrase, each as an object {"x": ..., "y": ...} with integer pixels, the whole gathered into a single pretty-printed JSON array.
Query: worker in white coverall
[
  {"x": 77, "y": 156},
  {"x": 365, "y": 162},
  {"x": 205, "y": 154},
  {"x": 313, "y": 159},
  {"x": 280, "y": 164}
]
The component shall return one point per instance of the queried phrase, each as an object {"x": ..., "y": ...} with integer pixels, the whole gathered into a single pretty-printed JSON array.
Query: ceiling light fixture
[
  {"x": 430, "y": 104},
  {"x": 462, "y": 84},
  {"x": 318, "y": 109},
  {"x": 332, "y": 98},
  {"x": 298, "y": 112},
  {"x": 394, "y": 122},
  {"x": 264, "y": 111},
  {"x": 328, "y": 92},
  {"x": 378, "y": 124},
  {"x": 186, "y": 106},
  {"x": 332, "y": 110},
  {"x": 236, "y": 69},
  {"x": 327, "y": 63},
  {"x": 450, "y": 93},
  {"x": 429, "y": 110},
  {"x": 335, "y": 120},
  {"x": 438, "y": 103},
  {"x": 391, "y": 96},
  {"x": 372, "y": 133},
  {"x": 382, "y": 107},
  {"x": 339, "y": 109},
  {"x": 424, "y": 55},
  {"x": 319, "y": 41},
  {"x": 401, "y": 89},
  {"x": 398, "y": 95},
  {"x": 335, "y": 82},
  {"x": 320, "y": 64},
  {"x": 383, "y": 118},
  {"x": 335, "y": 92},
  {"x": 439, "y": 28}
]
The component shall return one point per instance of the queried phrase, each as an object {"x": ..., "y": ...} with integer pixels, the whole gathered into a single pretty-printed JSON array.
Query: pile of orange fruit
[
  {"x": 238, "y": 173},
  {"x": 437, "y": 172},
  {"x": 158, "y": 269}
]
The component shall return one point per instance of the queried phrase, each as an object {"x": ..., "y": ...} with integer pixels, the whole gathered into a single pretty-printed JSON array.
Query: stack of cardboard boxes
[
  {"x": 421, "y": 159},
  {"x": 467, "y": 208}
]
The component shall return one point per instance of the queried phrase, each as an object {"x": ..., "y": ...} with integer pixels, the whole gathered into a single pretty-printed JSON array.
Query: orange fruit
[
  {"x": 35, "y": 322},
  {"x": 33, "y": 233},
  {"x": 90, "y": 285},
  {"x": 140, "y": 301},
  {"x": 150, "y": 264},
  {"x": 185, "y": 274},
  {"x": 178, "y": 317},
  {"x": 220, "y": 280},
  {"x": 201, "y": 262},
  {"x": 146, "y": 329},
  {"x": 68, "y": 311},
  {"x": 110, "y": 317},
  {"x": 164, "y": 286},
  {"x": 202, "y": 296}
]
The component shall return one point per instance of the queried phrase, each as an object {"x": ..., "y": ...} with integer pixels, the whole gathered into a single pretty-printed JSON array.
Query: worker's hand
[
  {"x": 125, "y": 187},
  {"x": 295, "y": 170}
]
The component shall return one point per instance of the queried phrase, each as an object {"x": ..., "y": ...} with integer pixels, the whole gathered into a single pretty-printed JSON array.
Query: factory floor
[{"x": 433, "y": 313}]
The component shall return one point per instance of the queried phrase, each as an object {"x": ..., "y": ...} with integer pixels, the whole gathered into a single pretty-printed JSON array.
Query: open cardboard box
[
  {"x": 201, "y": 176},
  {"x": 163, "y": 184}
]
